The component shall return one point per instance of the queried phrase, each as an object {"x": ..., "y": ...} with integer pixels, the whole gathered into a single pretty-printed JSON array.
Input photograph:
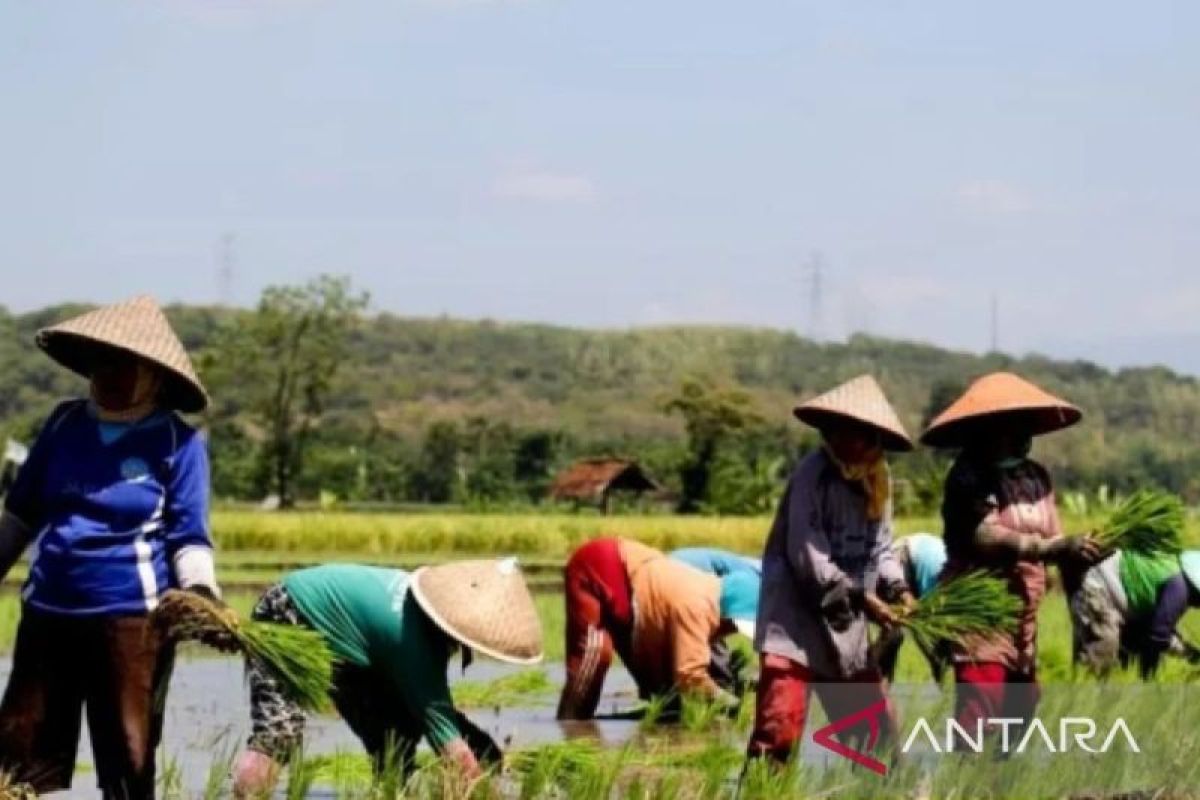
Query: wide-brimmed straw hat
[
  {"x": 860, "y": 400},
  {"x": 136, "y": 326},
  {"x": 485, "y": 605},
  {"x": 1000, "y": 395}
]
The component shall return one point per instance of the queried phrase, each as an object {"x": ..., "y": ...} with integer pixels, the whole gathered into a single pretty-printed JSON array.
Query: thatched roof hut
[{"x": 593, "y": 480}]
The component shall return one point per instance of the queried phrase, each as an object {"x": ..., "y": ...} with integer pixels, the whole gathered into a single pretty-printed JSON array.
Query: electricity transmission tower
[
  {"x": 995, "y": 324},
  {"x": 815, "y": 279},
  {"x": 226, "y": 264}
]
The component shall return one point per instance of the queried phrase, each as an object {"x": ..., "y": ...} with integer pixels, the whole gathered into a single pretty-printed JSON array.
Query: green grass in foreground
[{"x": 674, "y": 763}]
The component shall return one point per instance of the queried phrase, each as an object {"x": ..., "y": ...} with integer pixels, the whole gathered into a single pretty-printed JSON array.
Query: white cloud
[
  {"x": 993, "y": 196},
  {"x": 544, "y": 186}
]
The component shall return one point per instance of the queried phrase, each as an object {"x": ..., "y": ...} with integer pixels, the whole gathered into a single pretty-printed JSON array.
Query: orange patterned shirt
[{"x": 1021, "y": 500}]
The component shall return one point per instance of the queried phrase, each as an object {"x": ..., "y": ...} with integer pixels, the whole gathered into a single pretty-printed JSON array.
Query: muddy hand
[{"x": 880, "y": 611}]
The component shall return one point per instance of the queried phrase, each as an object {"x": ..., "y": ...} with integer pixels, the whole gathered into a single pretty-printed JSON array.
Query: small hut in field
[{"x": 595, "y": 480}]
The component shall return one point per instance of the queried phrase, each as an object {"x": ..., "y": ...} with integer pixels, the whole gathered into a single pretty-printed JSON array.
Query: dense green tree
[
  {"x": 712, "y": 416},
  {"x": 437, "y": 478},
  {"x": 533, "y": 461},
  {"x": 279, "y": 364}
]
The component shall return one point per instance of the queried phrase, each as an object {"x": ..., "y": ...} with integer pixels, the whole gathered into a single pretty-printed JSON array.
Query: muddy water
[{"x": 208, "y": 719}]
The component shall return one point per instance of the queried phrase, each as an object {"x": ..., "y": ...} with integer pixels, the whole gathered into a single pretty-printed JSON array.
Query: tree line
[{"x": 317, "y": 397}]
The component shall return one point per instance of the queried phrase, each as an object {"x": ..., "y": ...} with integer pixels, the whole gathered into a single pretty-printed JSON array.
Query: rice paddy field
[{"x": 698, "y": 755}]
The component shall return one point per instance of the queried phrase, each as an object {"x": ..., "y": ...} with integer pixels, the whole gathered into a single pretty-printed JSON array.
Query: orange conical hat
[
  {"x": 137, "y": 326},
  {"x": 1000, "y": 394},
  {"x": 861, "y": 400}
]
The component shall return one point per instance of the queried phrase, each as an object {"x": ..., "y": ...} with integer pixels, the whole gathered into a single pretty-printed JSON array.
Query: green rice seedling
[
  {"x": 347, "y": 774},
  {"x": 569, "y": 756},
  {"x": 700, "y": 714},
  {"x": 170, "y": 778},
  {"x": 745, "y": 713},
  {"x": 971, "y": 604},
  {"x": 1148, "y": 522},
  {"x": 217, "y": 779},
  {"x": 302, "y": 774},
  {"x": 762, "y": 780},
  {"x": 299, "y": 657},
  {"x": 657, "y": 707}
]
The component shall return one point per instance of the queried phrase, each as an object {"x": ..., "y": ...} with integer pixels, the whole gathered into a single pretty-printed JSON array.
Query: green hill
[{"x": 601, "y": 390}]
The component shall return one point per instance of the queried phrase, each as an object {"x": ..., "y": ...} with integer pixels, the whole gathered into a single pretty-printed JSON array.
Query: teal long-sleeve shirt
[{"x": 371, "y": 619}]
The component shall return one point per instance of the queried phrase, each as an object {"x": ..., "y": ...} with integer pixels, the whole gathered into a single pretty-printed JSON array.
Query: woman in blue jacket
[{"x": 115, "y": 495}]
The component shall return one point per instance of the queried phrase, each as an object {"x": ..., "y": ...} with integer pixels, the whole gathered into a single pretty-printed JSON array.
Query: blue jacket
[{"x": 110, "y": 506}]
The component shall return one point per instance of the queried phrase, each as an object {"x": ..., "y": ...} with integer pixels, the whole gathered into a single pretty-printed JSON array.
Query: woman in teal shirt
[{"x": 393, "y": 635}]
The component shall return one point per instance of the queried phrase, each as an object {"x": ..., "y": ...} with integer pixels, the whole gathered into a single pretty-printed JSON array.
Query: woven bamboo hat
[
  {"x": 136, "y": 326},
  {"x": 860, "y": 400},
  {"x": 483, "y": 604},
  {"x": 1000, "y": 395}
]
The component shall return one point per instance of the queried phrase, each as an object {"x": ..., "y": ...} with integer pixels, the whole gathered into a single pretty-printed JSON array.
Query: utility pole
[
  {"x": 815, "y": 291},
  {"x": 995, "y": 324},
  {"x": 226, "y": 263}
]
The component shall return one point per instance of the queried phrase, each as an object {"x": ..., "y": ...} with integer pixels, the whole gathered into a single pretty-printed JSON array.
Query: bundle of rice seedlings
[
  {"x": 972, "y": 604},
  {"x": 298, "y": 657},
  {"x": 1147, "y": 522}
]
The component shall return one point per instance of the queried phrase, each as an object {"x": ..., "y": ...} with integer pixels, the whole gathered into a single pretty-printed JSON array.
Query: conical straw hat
[
  {"x": 1000, "y": 394},
  {"x": 483, "y": 604},
  {"x": 137, "y": 326},
  {"x": 860, "y": 400}
]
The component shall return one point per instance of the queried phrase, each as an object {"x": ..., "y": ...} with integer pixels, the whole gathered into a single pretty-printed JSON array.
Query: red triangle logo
[{"x": 871, "y": 714}]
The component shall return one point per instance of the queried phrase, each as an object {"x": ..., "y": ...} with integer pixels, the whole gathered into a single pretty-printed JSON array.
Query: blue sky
[{"x": 622, "y": 163}]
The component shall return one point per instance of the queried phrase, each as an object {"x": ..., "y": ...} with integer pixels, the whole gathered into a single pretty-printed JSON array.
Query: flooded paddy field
[
  {"x": 208, "y": 719},
  {"x": 696, "y": 757}
]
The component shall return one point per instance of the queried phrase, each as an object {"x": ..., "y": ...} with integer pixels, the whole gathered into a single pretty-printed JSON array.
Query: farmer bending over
[
  {"x": 828, "y": 548},
  {"x": 1127, "y": 607},
  {"x": 665, "y": 646},
  {"x": 115, "y": 493},
  {"x": 741, "y": 580},
  {"x": 393, "y": 635}
]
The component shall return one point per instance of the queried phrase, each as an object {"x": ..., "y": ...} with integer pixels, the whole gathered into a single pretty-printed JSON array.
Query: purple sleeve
[
  {"x": 808, "y": 546},
  {"x": 885, "y": 563},
  {"x": 1170, "y": 608},
  {"x": 186, "y": 512}
]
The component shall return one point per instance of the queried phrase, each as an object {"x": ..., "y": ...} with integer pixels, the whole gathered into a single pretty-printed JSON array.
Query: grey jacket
[{"x": 822, "y": 537}]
